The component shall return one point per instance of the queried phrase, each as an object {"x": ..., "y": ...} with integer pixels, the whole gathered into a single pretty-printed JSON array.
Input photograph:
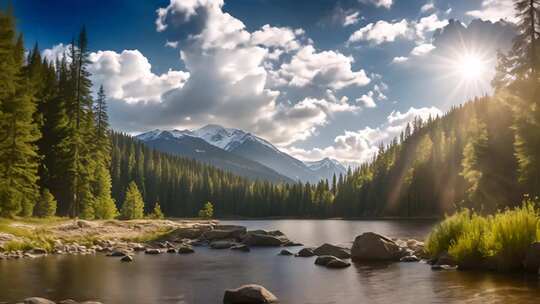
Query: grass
[
  {"x": 504, "y": 236},
  {"x": 151, "y": 236},
  {"x": 30, "y": 233}
]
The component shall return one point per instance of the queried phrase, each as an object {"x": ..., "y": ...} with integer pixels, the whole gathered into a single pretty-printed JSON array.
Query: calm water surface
[{"x": 203, "y": 276}]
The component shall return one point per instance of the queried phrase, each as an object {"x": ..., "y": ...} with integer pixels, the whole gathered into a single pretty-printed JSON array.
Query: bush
[
  {"x": 504, "y": 237},
  {"x": 46, "y": 205},
  {"x": 207, "y": 212}
]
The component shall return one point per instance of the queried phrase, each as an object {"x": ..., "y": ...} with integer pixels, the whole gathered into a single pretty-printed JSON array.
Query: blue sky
[{"x": 317, "y": 78}]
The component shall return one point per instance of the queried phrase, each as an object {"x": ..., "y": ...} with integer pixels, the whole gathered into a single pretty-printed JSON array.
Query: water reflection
[{"x": 202, "y": 277}]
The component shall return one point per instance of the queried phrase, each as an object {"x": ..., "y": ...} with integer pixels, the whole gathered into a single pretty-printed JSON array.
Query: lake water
[{"x": 202, "y": 277}]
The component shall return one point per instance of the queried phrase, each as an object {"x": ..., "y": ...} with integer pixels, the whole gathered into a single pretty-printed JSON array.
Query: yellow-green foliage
[
  {"x": 505, "y": 235},
  {"x": 447, "y": 232},
  {"x": 207, "y": 212}
]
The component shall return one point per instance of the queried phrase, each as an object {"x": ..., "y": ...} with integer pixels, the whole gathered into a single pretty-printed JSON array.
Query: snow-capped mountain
[
  {"x": 251, "y": 147},
  {"x": 185, "y": 144}
]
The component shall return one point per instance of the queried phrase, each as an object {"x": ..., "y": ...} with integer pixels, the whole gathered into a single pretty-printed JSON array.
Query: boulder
[
  {"x": 185, "y": 249},
  {"x": 329, "y": 249},
  {"x": 338, "y": 263},
  {"x": 532, "y": 258},
  {"x": 127, "y": 258},
  {"x": 371, "y": 246},
  {"x": 241, "y": 247},
  {"x": 171, "y": 250},
  {"x": 234, "y": 231},
  {"x": 285, "y": 252},
  {"x": 445, "y": 259},
  {"x": 255, "y": 239},
  {"x": 152, "y": 251},
  {"x": 323, "y": 260},
  {"x": 221, "y": 245},
  {"x": 38, "y": 251},
  {"x": 249, "y": 294},
  {"x": 292, "y": 244},
  {"x": 305, "y": 253},
  {"x": 37, "y": 300},
  {"x": 189, "y": 232},
  {"x": 116, "y": 253},
  {"x": 409, "y": 258}
]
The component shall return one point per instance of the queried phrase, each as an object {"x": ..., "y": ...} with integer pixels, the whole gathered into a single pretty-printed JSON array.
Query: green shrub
[
  {"x": 470, "y": 247},
  {"x": 447, "y": 232},
  {"x": 157, "y": 213},
  {"x": 207, "y": 212}
]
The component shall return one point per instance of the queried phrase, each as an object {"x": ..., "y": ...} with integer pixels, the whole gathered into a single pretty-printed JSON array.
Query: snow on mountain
[
  {"x": 325, "y": 163},
  {"x": 227, "y": 138}
]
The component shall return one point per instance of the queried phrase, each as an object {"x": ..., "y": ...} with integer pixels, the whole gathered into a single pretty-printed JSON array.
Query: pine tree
[
  {"x": 46, "y": 205},
  {"x": 157, "y": 213},
  {"x": 18, "y": 130},
  {"x": 133, "y": 207},
  {"x": 104, "y": 207},
  {"x": 207, "y": 212}
]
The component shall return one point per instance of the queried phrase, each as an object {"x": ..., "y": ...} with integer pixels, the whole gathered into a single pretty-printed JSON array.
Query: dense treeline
[
  {"x": 56, "y": 148},
  {"x": 54, "y": 137}
]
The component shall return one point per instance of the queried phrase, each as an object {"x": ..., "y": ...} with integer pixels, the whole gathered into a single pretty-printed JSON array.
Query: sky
[{"x": 317, "y": 78}]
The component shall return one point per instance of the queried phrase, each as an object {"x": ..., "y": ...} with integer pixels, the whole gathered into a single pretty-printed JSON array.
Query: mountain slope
[
  {"x": 184, "y": 144},
  {"x": 326, "y": 168}
]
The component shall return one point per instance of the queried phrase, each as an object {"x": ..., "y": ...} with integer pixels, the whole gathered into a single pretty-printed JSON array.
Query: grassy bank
[{"x": 499, "y": 241}]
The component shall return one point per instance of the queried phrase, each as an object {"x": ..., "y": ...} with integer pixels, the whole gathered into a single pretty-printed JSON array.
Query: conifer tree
[
  {"x": 46, "y": 205},
  {"x": 18, "y": 130},
  {"x": 157, "y": 213},
  {"x": 133, "y": 207}
]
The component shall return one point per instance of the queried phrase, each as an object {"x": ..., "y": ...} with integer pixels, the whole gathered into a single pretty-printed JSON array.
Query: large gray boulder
[
  {"x": 329, "y": 249},
  {"x": 249, "y": 294},
  {"x": 371, "y": 246},
  {"x": 532, "y": 258},
  {"x": 255, "y": 239},
  {"x": 221, "y": 232},
  {"x": 221, "y": 245}
]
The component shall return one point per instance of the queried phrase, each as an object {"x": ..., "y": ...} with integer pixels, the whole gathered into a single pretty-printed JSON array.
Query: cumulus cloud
[
  {"x": 57, "y": 52},
  {"x": 381, "y": 31},
  {"x": 277, "y": 37},
  {"x": 351, "y": 19},
  {"x": 367, "y": 100},
  {"x": 171, "y": 44},
  {"x": 400, "y": 59},
  {"x": 354, "y": 147},
  {"x": 495, "y": 10},
  {"x": 429, "y": 6},
  {"x": 422, "y": 49},
  {"x": 428, "y": 24},
  {"x": 379, "y": 3},
  {"x": 128, "y": 76},
  {"x": 326, "y": 69}
]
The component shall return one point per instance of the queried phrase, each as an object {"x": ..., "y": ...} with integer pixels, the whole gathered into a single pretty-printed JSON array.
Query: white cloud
[
  {"x": 354, "y": 147},
  {"x": 400, "y": 59},
  {"x": 379, "y": 3},
  {"x": 427, "y": 7},
  {"x": 57, "y": 52},
  {"x": 128, "y": 76},
  {"x": 351, "y": 19},
  {"x": 428, "y": 24},
  {"x": 367, "y": 100},
  {"x": 381, "y": 31},
  {"x": 171, "y": 44},
  {"x": 495, "y": 10},
  {"x": 326, "y": 69},
  {"x": 277, "y": 37},
  {"x": 422, "y": 49}
]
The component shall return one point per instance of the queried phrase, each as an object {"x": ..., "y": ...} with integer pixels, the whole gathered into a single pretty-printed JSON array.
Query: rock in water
[
  {"x": 254, "y": 239},
  {"x": 241, "y": 247},
  {"x": 127, "y": 258},
  {"x": 305, "y": 253},
  {"x": 37, "y": 300},
  {"x": 285, "y": 252},
  {"x": 152, "y": 251},
  {"x": 221, "y": 245},
  {"x": 329, "y": 249},
  {"x": 323, "y": 260},
  {"x": 338, "y": 263},
  {"x": 532, "y": 258},
  {"x": 409, "y": 258},
  {"x": 185, "y": 249},
  {"x": 371, "y": 246},
  {"x": 249, "y": 294}
]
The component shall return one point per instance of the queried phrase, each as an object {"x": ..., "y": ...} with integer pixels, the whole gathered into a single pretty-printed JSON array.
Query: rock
[
  {"x": 285, "y": 252},
  {"x": 37, "y": 300},
  {"x": 305, "y": 253},
  {"x": 68, "y": 301},
  {"x": 329, "y": 249},
  {"x": 234, "y": 231},
  {"x": 138, "y": 247},
  {"x": 85, "y": 224},
  {"x": 171, "y": 250},
  {"x": 445, "y": 259},
  {"x": 255, "y": 239},
  {"x": 217, "y": 234},
  {"x": 152, "y": 251},
  {"x": 275, "y": 233},
  {"x": 292, "y": 244},
  {"x": 117, "y": 253},
  {"x": 409, "y": 258},
  {"x": 249, "y": 294},
  {"x": 185, "y": 249},
  {"x": 443, "y": 267},
  {"x": 38, "y": 251},
  {"x": 241, "y": 247},
  {"x": 127, "y": 258},
  {"x": 221, "y": 245},
  {"x": 189, "y": 232},
  {"x": 323, "y": 260},
  {"x": 375, "y": 247},
  {"x": 532, "y": 258},
  {"x": 338, "y": 263}
]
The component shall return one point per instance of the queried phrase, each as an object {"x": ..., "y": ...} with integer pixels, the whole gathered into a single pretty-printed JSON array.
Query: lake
[{"x": 202, "y": 277}]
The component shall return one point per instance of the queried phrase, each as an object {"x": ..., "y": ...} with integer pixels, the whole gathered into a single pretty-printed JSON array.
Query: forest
[{"x": 58, "y": 155}]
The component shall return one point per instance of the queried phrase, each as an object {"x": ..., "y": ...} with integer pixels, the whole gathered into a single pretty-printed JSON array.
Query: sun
[{"x": 470, "y": 67}]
